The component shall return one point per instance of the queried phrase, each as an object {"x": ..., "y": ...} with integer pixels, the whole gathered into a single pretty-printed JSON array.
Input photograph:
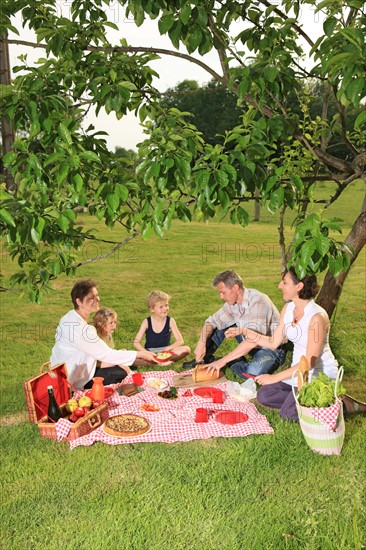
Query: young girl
[
  {"x": 105, "y": 321},
  {"x": 158, "y": 329}
]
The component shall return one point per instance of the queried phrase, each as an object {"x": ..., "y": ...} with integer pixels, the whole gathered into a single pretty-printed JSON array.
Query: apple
[
  {"x": 79, "y": 412},
  {"x": 73, "y": 417}
]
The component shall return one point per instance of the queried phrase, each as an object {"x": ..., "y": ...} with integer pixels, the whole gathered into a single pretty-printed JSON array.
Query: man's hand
[
  {"x": 232, "y": 332},
  {"x": 216, "y": 366},
  {"x": 200, "y": 351}
]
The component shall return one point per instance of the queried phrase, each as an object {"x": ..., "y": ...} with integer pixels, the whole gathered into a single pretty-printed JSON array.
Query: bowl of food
[
  {"x": 164, "y": 356},
  {"x": 157, "y": 383}
]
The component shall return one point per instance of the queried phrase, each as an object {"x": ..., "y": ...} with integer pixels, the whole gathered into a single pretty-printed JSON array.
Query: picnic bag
[
  {"x": 36, "y": 395},
  {"x": 323, "y": 427}
]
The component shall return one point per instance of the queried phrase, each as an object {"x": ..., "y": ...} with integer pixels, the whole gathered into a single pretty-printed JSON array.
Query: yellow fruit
[
  {"x": 71, "y": 405},
  {"x": 85, "y": 402}
]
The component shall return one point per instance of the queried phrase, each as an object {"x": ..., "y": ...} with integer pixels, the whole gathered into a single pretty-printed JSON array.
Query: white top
[
  {"x": 298, "y": 334},
  {"x": 79, "y": 346}
]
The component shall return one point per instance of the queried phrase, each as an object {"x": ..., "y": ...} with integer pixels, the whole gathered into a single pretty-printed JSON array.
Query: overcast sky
[{"x": 127, "y": 132}]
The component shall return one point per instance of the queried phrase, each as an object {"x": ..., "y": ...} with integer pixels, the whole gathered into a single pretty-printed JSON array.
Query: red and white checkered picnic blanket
[
  {"x": 327, "y": 415},
  {"x": 175, "y": 420}
]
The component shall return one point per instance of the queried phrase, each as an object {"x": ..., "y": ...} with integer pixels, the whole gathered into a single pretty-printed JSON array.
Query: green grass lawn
[{"x": 259, "y": 492}]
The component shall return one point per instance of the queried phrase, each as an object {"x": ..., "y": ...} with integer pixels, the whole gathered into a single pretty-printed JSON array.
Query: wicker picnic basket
[{"x": 36, "y": 394}]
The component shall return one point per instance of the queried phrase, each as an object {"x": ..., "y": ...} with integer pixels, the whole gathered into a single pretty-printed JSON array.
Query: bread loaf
[
  {"x": 304, "y": 368},
  {"x": 201, "y": 374}
]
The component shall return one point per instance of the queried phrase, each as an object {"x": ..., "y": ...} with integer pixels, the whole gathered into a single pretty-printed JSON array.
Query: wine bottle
[{"x": 54, "y": 412}]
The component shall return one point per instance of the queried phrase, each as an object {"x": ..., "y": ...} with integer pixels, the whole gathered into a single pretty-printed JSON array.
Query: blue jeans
[{"x": 264, "y": 361}]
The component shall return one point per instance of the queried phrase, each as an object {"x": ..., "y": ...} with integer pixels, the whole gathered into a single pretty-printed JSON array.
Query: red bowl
[{"x": 167, "y": 358}]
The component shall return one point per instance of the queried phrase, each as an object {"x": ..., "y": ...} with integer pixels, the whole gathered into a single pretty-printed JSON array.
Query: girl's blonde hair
[
  {"x": 100, "y": 321},
  {"x": 157, "y": 296}
]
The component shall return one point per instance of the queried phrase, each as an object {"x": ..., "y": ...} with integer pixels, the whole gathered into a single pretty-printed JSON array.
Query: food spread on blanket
[
  {"x": 169, "y": 394},
  {"x": 80, "y": 408},
  {"x": 126, "y": 425},
  {"x": 157, "y": 383},
  {"x": 164, "y": 356},
  {"x": 149, "y": 407}
]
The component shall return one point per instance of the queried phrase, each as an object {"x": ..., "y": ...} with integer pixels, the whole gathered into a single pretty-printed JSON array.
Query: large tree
[{"x": 56, "y": 165}]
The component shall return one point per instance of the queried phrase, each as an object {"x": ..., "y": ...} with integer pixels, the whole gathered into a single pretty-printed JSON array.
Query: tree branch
[
  {"x": 112, "y": 251},
  {"x": 133, "y": 49}
]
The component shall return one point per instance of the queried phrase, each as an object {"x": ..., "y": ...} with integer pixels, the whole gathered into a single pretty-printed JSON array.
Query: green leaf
[
  {"x": 224, "y": 199},
  {"x": 329, "y": 25},
  {"x": 165, "y": 23},
  {"x": 322, "y": 244},
  {"x": 202, "y": 177},
  {"x": 6, "y": 217},
  {"x": 270, "y": 73},
  {"x": 307, "y": 249},
  {"x": 63, "y": 171},
  {"x": 242, "y": 216},
  {"x": 113, "y": 201},
  {"x": 221, "y": 178},
  {"x": 193, "y": 40},
  {"x": 9, "y": 158},
  {"x": 64, "y": 133},
  {"x": 346, "y": 261},
  {"x": 354, "y": 90},
  {"x": 90, "y": 155},
  {"x": 335, "y": 265},
  {"x": 34, "y": 235},
  {"x": 184, "y": 167},
  {"x": 63, "y": 223},
  {"x": 360, "y": 120},
  {"x": 185, "y": 14}
]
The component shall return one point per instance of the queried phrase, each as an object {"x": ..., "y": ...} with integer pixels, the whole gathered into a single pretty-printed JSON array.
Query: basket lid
[{"x": 36, "y": 392}]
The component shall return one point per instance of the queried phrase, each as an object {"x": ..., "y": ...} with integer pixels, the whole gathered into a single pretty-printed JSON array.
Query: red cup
[
  {"x": 217, "y": 396},
  {"x": 201, "y": 415},
  {"x": 137, "y": 378}
]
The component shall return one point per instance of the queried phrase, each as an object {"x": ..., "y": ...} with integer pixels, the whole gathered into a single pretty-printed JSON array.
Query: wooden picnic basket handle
[
  {"x": 48, "y": 364},
  {"x": 52, "y": 375}
]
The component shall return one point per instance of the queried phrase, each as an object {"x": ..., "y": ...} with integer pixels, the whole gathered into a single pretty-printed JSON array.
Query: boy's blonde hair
[
  {"x": 157, "y": 296},
  {"x": 99, "y": 321}
]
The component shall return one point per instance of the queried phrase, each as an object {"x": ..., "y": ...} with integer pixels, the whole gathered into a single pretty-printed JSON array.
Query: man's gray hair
[{"x": 229, "y": 278}]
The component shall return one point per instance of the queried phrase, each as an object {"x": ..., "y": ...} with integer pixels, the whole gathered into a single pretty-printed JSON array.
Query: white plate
[{"x": 163, "y": 384}]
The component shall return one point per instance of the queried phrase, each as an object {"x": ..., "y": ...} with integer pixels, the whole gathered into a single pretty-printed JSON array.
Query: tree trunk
[
  {"x": 257, "y": 206},
  {"x": 7, "y": 131},
  {"x": 332, "y": 286}
]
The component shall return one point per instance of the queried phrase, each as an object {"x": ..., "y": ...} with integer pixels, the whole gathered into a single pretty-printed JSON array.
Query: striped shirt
[{"x": 256, "y": 312}]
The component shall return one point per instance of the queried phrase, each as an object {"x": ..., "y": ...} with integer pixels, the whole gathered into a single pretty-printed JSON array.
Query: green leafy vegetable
[{"x": 319, "y": 392}]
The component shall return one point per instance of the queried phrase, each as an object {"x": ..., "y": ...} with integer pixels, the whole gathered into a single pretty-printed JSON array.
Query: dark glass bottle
[{"x": 54, "y": 412}]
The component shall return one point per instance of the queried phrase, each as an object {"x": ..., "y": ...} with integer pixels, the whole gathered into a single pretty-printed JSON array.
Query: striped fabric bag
[{"x": 323, "y": 428}]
